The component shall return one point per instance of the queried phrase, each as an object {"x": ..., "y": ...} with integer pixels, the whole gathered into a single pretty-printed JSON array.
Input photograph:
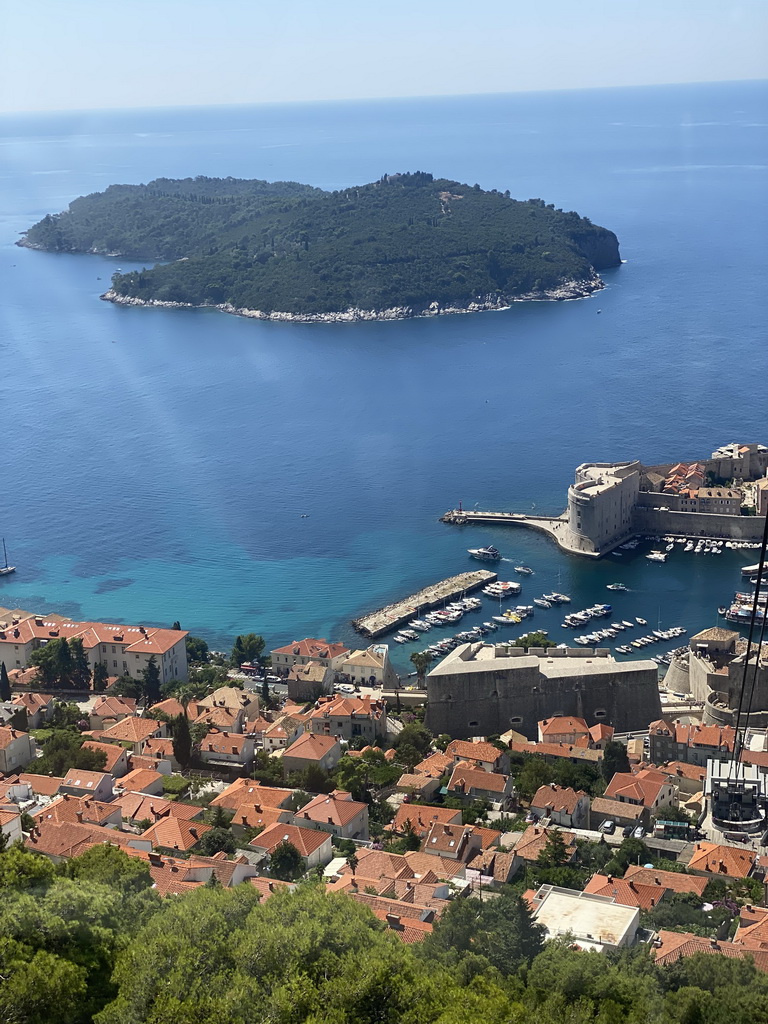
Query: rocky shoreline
[{"x": 568, "y": 290}]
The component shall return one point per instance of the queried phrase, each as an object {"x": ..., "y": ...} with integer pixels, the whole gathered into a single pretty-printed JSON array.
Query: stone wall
[
  {"x": 696, "y": 524},
  {"x": 482, "y": 699}
]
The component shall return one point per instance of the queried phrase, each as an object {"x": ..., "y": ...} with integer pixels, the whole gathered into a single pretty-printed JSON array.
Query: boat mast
[{"x": 5, "y": 554}]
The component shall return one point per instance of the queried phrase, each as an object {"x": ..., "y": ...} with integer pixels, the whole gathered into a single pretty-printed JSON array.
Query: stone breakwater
[{"x": 567, "y": 290}]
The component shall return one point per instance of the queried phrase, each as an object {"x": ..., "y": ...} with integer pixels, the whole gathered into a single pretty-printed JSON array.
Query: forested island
[{"x": 405, "y": 245}]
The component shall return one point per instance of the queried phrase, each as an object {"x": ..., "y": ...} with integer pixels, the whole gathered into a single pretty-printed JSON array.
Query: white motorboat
[{"x": 489, "y": 554}]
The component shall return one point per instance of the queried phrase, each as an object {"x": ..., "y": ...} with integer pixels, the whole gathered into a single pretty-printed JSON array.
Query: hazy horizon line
[{"x": 48, "y": 112}]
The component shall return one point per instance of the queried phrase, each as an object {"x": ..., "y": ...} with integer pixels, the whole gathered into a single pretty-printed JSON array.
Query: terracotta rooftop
[
  {"x": 675, "y": 881},
  {"x": 230, "y": 743},
  {"x": 626, "y": 891},
  {"x": 335, "y": 808},
  {"x": 465, "y": 777},
  {"x": 435, "y": 765},
  {"x": 250, "y": 792},
  {"x": 112, "y": 752},
  {"x": 138, "y": 639},
  {"x": 617, "y": 809},
  {"x": 468, "y": 751},
  {"x": 563, "y": 725},
  {"x": 555, "y": 798},
  {"x": 534, "y": 839},
  {"x": 8, "y": 736},
  {"x": 422, "y": 818},
  {"x": 140, "y": 807},
  {"x": 722, "y": 860},
  {"x": 133, "y": 729},
  {"x": 306, "y": 840},
  {"x": 76, "y": 809},
  {"x": 674, "y": 945},
  {"x": 313, "y": 648},
  {"x": 45, "y": 785},
  {"x": 174, "y": 833},
  {"x": 311, "y": 746},
  {"x": 139, "y": 779},
  {"x": 76, "y": 778}
]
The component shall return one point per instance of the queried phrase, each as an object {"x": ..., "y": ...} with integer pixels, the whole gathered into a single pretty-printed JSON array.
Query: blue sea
[{"x": 284, "y": 478}]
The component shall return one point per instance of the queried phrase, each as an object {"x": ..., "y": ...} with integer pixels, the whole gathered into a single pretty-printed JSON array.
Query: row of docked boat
[
  {"x": 597, "y": 611},
  {"x": 656, "y": 636},
  {"x": 443, "y": 617}
]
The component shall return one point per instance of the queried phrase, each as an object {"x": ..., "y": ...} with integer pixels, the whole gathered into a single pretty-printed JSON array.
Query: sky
[{"x": 92, "y": 54}]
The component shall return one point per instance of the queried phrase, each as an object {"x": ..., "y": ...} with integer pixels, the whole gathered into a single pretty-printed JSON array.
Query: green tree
[
  {"x": 247, "y": 648},
  {"x": 20, "y": 869},
  {"x": 100, "y": 677},
  {"x": 218, "y": 840},
  {"x": 415, "y": 735},
  {"x": 39, "y": 987},
  {"x": 286, "y": 863},
  {"x": 197, "y": 650},
  {"x": 150, "y": 682},
  {"x": 64, "y": 750},
  {"x": 421, "y": 660},
  {"x": 554, "y": 853},
  {"x": 614, "y": 759},
  {"x": 181, "y": 739},
  {"x": 534, "y": 639},
  {"x": 108, "y": 865},
  {"x": 265, "y": 698},
  {"x": 80, "y": 671},
  {"x": 5, "y": 683}
]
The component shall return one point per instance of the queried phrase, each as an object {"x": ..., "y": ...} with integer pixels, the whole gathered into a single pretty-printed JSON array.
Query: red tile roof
[
  {"x": 675, "y": 881},
  {"x": 555, "y": 798},
  {"x": 465, "y": 778},
  {"x": 174, "y": 833},
  {"x": 533, "y": 840},
  {"x": 722, "y": 860},
  {"x": 674, "y": 945},
  {"x": 311, "y": 747},
  {"x": 250, "y": 792},
  {"x": 625, "y": 891},
  {"x": 306, "y": 840},
  {"x": 133, "y": 729},
  {"x": 313, "y": 648},
  {"x": 469, "y": 751},
  {"x": 335, "y": 808},
  {"x": 422, "y": 818},
  {"x": 112, "y": 752}
]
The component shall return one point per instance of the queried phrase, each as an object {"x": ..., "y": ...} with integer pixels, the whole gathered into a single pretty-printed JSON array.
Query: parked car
[
  {"x": 627, "y": 831},
  {"x": 608, "y": 827},
  {"x": 639, "y": 832}
]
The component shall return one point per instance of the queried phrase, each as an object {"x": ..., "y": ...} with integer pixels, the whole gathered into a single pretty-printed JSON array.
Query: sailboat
[{"x": 6, "y": 570}]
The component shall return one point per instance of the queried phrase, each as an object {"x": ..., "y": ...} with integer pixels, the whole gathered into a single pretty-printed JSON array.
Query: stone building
[
  {"x": 716, "y": 670},
  {"x": 482, "y": 690},
  {"x": 601, "y": 502}
]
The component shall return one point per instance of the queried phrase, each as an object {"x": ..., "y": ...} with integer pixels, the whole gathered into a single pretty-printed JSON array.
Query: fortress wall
[
  {"x": 697, "y": 524},
  {"x": 678, "y": 678},
  {"x": 489, "y": 701}
]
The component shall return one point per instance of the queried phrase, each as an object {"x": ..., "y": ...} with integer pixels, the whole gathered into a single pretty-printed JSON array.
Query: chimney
[
  {"x": 393, "y": 920},
  {"x": 79, "y": 816}
]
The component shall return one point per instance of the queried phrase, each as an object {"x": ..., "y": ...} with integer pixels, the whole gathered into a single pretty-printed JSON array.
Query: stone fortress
[
  {"x": 712, "y": 671},
  {"x": 608, "y": 503},
  {"x": 483, "y": 690}
]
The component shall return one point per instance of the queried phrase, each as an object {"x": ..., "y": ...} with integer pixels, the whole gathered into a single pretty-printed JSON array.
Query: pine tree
[
  {"x": 63, "y": 662},
  {"x": 5, "y": 683}
]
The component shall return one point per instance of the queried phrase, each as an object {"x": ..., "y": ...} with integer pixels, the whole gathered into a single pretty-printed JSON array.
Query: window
[
  {"x": 600, "y": 713},
  {"x": 517, "y": 720},
  {"x": 473, "y": 725},
  {"x": 114, "y": 662}
]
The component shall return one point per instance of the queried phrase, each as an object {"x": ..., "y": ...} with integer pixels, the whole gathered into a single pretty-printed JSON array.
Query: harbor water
[{"x": 287, "y": 478}]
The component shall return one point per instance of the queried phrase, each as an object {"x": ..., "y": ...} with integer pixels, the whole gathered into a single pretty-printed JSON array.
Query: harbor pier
[
  {"x": 555, "y": 527},
  {"x": 394, "y": 615}
]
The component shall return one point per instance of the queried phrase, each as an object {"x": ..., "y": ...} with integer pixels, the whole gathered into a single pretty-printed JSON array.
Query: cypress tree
[
  {"x": 182, "y": 740},
  {"x": 5, "y": 683}
]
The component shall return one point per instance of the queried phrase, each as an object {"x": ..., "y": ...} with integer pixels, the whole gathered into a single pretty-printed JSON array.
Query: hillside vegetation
[{"x": 406, "y": 241}]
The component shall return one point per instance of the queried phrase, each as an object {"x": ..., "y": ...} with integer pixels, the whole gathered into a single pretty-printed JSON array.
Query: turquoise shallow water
[{"x": 157, "y": 463}]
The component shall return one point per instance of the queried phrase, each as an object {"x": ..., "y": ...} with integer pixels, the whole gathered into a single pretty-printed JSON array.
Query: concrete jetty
[
  {"x": 555, "y": 527},
  {"x": 394, "y": 615}
]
